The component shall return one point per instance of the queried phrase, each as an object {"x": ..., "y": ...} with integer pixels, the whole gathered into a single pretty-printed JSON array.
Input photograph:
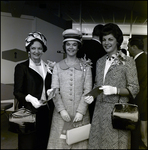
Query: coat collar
[
  {"x": 35, "y": 68},
  {"x": 64, "y": 66}
]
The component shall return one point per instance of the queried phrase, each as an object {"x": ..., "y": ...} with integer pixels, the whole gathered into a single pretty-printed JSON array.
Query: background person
[
  {"x": 93, "y": 50},
  {"x": 31, "y": 81},
  {"x": 136, "y": 50},
  {"x": 73, "y": 79},
  {"x": 116, "y": 75}
]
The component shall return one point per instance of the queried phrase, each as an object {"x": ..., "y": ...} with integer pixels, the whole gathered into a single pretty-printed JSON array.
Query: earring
[{"x": 29, "y": 54}]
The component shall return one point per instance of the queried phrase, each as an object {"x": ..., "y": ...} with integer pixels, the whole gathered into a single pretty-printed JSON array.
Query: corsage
[
  {"x": 119, "y": 59},
  {"x": 85, "y": 63},
  {"x": 50, "y": 65}
]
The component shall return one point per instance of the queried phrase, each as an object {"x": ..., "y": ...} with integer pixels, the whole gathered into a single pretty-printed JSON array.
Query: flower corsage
[
  {"x": 50, "y": 65},
  {"x": 85, "y": 63},
  {"x": 119, "y": 59}
]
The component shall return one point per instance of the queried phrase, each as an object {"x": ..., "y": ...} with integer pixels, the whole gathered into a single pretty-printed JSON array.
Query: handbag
[
  {"x": 22, "y": 121},
  {"x": 125, "y": 116},
  {"x": 78, "y": 134}
]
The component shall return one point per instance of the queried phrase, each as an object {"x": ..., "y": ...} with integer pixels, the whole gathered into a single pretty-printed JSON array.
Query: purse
[
  {"x": 22, "y": 121},
  {"x": 78, "y": 134},
  {"x": 125, "y": 116}
]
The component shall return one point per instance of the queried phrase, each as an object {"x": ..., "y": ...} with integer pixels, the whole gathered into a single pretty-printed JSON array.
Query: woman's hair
[
  {"x": 31, "y": 43},
  {"x": 113, "y": 29}
]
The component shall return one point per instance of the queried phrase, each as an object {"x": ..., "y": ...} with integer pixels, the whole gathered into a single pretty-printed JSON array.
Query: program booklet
[
  {"x": 51, "y": 95},
  {"x": 95, "y": 92}
]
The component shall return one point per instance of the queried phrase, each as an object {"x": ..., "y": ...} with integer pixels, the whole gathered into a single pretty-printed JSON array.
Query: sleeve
[
  {"x": 82, "y": 108},
  {"x": 59, "y": 105},
  {"x": 19, "y": 79},
  {"x": 132, "y": 77}
]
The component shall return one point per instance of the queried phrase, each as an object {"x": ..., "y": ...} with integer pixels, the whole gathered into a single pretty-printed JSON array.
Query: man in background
[
  {"x": 93, "y": 50},
  {"x": 139, "y": 136}
]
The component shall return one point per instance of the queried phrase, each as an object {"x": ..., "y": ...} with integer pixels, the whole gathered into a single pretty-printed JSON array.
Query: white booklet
[{"x": 51, "y": 94}]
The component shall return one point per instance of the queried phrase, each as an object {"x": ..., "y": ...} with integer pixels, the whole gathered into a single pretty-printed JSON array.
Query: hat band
[{"x": 71, "y": 39}]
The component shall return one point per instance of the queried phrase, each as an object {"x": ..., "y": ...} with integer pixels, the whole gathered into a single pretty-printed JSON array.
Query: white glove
[
  {"x": 33, "y": 100},
  {"x": 65, "y": 115},
  {"x": 108, "y": 90},
  {"x": 78, "y": 117},
  {"x": 50, "y": 93},
  {"x": 89, "y": 99}
]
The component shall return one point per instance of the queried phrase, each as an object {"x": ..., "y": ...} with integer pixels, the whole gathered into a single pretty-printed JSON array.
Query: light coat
[
  {"x": 73, "y": 83},
  {"x": 102, "y": 134}
]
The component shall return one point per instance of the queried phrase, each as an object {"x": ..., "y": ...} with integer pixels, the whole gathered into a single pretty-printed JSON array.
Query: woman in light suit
[
  {"x": 32, "y": 78},
  {"x": 73, "y": 79},
  {"x": 116, "y": 75}
]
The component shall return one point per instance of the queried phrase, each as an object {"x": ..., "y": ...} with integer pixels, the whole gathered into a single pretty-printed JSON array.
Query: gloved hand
[
  {"x": 89, "y": 99},
  {"x": 33, "y": 100},
  {"x": 65, "y": 115},
  {"x": 50, "y": 93},
  {"x": 78, "y": 117},
  {"x": 108, "y": 90}
]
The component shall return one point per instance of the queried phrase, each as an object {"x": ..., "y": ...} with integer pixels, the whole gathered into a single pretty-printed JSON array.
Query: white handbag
[{"x": 78, "y": 134}]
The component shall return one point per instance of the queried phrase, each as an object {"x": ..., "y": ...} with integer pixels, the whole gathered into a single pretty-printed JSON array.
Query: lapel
[
  {"x": 35, "y": 68},
  {"x": 101, "y": 69}
]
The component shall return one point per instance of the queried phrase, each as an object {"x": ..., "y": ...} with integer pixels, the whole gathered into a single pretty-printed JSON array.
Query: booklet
[
  {"x": 95, "y": 92},
  {"x": 51, "y": 95}
]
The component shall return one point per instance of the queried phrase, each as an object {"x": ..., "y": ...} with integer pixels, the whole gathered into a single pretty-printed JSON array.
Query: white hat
[{"x": 72, "y": 34}]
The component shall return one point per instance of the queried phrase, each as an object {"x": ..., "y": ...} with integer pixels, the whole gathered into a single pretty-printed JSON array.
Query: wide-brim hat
[
  {"x": 72, "y": 35},
  {"x": 36, "y": 35}
]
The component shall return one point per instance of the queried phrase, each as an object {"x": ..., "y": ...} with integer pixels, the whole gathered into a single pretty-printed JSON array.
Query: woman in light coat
[
  {"x": 117, "y": 75},
  {"x": 73, "y": 79}
]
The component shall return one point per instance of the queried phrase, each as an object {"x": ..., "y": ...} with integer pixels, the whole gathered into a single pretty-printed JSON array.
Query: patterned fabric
[
  {"x": 102, "y": 134},
  {"x": 35, "y": 35},
  {"x": 73, "y": 83}
]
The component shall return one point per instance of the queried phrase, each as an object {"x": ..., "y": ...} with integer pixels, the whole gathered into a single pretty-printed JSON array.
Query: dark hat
[
  {"x": 72, "y": 34},
  {"x": 35, "y": 35}
]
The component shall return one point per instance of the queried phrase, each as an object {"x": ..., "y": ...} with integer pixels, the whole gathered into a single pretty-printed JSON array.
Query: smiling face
[
  {"x": 36, "y": 51},
  {"x": 109, "y": 43},
  {"x": 71, "y": 48}
]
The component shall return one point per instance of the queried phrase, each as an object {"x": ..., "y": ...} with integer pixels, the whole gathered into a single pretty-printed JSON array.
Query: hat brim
[{"x": 71, "y": 39}]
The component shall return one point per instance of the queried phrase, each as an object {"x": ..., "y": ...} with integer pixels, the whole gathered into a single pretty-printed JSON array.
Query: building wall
[{"x": 13, "y": 34}]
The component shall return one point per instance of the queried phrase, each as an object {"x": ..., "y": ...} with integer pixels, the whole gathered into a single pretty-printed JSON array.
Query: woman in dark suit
[{"x": 32, "y": 79}]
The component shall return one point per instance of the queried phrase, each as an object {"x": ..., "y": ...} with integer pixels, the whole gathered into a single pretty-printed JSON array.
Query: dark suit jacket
[
  {"x": 27, "y": 81},
  {"x": 93, "y": 50},
  {"x": 141, "y": 98}
]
